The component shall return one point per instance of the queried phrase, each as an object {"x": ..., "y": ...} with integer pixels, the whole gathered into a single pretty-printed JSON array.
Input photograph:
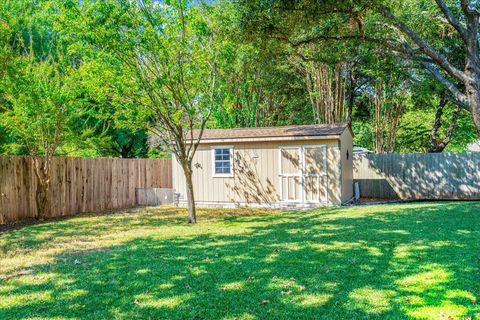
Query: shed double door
[{"x": 303, "y": 173}]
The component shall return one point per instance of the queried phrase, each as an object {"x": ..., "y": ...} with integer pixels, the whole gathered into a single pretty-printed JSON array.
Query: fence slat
[
  {"x": 418, "y": 176},
  {"x": 78, "y": 184}
]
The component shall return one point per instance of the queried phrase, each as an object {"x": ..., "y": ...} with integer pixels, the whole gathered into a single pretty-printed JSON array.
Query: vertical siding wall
[
  {"x": 418, "y": 176},
  {"x": 256, "y": 174},
  {"x": 78, "y": 184}
]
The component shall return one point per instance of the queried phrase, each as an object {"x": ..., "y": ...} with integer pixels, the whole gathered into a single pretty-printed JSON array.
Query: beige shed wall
[
  {"x": 346, "y": 144},
  {"x": 256, "y": 174}
]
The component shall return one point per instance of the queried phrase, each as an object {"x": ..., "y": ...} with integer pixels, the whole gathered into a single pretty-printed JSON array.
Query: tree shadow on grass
[
  {"x": 409, "y": 261},
  {"x": 93, "y": 225}
]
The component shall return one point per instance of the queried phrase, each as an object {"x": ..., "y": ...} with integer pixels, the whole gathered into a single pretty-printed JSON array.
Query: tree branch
[
  {"x": 452, "y": 20},
  {"x": 467, "y": 10},
  {"x": 438, "y": 58},
  {"x": 459, "y": 98}
]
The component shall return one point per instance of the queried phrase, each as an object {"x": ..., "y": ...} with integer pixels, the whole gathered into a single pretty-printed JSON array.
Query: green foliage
[
  {"x": 40, "y": 105},
  {"x": 464, "y": 134},
  {"x": 258, "y": 85},
  {"x": 258, "y": 48},
  {"x": 164, "y": 59},
  {"x": 313, "y": 30},
  {"x": 363, "y": 134},
  {"x": 414, "y": 132}
]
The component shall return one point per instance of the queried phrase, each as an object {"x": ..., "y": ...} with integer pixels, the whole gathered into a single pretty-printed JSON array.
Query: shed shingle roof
[{"x": 251, "y": 134}]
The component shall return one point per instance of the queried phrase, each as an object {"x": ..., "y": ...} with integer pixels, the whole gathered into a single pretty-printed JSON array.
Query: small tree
[
  {"x": 38, "y": 110},
  {"x": 166, "y": 55}
]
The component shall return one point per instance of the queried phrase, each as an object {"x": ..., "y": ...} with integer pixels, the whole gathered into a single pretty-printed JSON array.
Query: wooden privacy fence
[
  {"x": 418, "y": 176},
  {"x": 78, "y": 184}
]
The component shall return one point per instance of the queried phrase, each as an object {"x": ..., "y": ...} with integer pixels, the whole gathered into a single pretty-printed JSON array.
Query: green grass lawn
[{"x": 388, "y": 262}]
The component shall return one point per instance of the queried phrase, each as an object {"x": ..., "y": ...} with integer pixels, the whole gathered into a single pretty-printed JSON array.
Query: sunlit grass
[
  {"x": 387, "y": 262},
  {"x": 371, "y": 300}
]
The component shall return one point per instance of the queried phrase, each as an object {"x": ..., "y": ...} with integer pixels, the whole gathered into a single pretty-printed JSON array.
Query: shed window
[{"x": 222, "y": 162}]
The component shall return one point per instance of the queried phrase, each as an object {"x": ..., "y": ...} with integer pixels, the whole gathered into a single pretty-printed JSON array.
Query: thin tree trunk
[
  {"x": 326, "y": 90},
  {"x": 42, "y": 171},
  {"x": 41, "y": 199},
  {"x": 192, "y": 215},
  {"x": 351, "y": 95},
  {"x": 438, "y": 145},
  {"x": 473, "y": 95},
  {"x": 378, "y": 103}
]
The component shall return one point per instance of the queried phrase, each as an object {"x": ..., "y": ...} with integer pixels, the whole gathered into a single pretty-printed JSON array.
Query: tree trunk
[
  {"x": 472, "y": 66},
  {"x": 192, "y": 215},
  {"x": 475, "y": 107},
  {"x": 41, "y": 199},
  {"x": 42, "y": 171},
  {"x": 437, "y": 145},
  {"x": 379, "y": 124},
  {"x": 473, "y": 95},
  {"x": 351, "y": 95}
]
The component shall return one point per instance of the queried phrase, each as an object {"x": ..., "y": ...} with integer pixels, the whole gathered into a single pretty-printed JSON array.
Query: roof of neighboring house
[
  {"x": 474, "y": 146},
  {"x": 361, "y": 150},
  {"x": 323, "y": 131}
]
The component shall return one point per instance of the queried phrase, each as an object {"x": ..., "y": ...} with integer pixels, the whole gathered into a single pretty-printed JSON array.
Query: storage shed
[{"x": 292, "y": 166}]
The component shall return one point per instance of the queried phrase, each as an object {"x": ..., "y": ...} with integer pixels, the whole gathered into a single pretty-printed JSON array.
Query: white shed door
[
  {"x": 291, "y": 174},
  {"x": 315, "y": 174},
  {"x": 303, "y": 174}
]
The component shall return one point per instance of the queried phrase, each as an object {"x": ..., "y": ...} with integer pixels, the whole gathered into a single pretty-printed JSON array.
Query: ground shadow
[{"x": 398, "y": 262}]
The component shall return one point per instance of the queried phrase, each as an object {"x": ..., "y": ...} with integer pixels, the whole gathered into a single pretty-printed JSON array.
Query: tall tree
[
  {"x": 396, "y": 26},
  {"x": 166, "y": 53},
  {"x": 37, "y": 90},
  {"x": 39, "y": 112},
  {"x": 461, "y": 78},
  {"x": 256, "y": 83}
]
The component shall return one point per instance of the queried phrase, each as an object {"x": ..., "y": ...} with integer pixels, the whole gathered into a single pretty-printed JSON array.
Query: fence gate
[{"x": 153, "y": 196}]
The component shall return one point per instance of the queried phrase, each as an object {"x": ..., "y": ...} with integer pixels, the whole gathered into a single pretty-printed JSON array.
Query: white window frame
[{"x": 222, "y": 175}]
